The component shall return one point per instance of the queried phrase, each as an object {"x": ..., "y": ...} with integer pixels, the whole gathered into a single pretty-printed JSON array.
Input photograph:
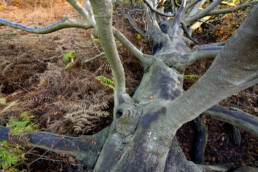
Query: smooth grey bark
[
  {"x": 244, "y": 121},
  {"x": 85, "y": 149},
  {"x": 141, "y": 137},
  {"x": 103, "y": 16},
  {"x": 146, "y": 147},
  {"x": 66, "y": 23},
  {"x": 202, "y": 13}
]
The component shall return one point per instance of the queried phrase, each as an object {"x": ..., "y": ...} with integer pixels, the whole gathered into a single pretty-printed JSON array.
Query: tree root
[
  {"x": 85, "y": 149},
  {"x": 201, "y": 140},
  {"x": 237, "y": 118}
]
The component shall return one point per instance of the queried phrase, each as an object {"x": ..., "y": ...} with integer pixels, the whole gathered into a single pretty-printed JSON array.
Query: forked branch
[
  {"x": 66, "y": 23},
  {"x": 229, "y": 74}
]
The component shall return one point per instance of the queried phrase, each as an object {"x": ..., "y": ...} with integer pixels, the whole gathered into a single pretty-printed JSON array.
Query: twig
[
  {"x": 97, "y": 56},
  {"x": 132, "y": 22},
  {"x": 188, "y": 34},
  {"x": 158, "y": 11}
]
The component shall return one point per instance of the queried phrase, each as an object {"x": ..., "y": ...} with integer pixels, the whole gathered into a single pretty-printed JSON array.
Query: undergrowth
[{"x": 10, "y": 151}]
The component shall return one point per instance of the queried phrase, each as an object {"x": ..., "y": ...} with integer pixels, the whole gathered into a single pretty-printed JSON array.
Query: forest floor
[{"x": 34, "y": 74}]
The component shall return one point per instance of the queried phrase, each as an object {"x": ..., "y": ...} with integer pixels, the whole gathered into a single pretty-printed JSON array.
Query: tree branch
[
  {"x": 79, "y": 8},
  {"x": 192, "y": 4},
  {"x": 195, "y": 8},
  {"x": 132, "y": 22},
  {"x": 91, "y": 16},
  {"x": 240, "y": 7},
  {"x": 66, "y": 23},
  {"x": 197, "y": 24},
  {"x": 102, "y": 10},
  {"x": 188, "y": 34},
  {"x": 157, "y": 11},
  {"x": 84, "y": 149},
  {"x": 240, "y": 119},
  {"x": 202, "y": 13},
  {"x": 221, "y": 168},
  {"x": 200, "y": 140},
  {"x": 93, "y": 58},
  {"x": 234, "y": 69},
  {"x": 137, "y": 53},
  {"x": 174, "y": 29},
  {"x": 204, "y": 52}
]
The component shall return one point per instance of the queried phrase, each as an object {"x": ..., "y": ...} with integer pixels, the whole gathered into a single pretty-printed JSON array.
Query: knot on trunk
[{"x": 127, "y": 116}]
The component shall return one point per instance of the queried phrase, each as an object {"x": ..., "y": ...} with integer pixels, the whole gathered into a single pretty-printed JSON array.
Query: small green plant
[
  {"x": 70, "y": 57},
  {"x": 22, "y": 125},
  {"x": 191, "y": 76},
  {"x": 10, "y": 152},
  {"x": 106, "y": 82},
  {"x": 138, "y": 36}
]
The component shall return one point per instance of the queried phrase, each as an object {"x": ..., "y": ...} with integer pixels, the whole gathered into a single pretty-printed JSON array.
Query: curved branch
[
  {"x": 85, "y": 149},
  {"x": 137, "y": 53},
  {"x": 202, "y": 13},
  {"x": 66, "y": 23},
  {"x": 79, "y": 8},
  {"x": 240, "y": 119},
  {"x": 103, "y": 16},
  {"x": 225, "y": 11},
  {"x": 157, "y": 11}
]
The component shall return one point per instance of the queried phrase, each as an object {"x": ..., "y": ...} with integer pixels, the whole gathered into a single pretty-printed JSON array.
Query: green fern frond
[
  {"x": 192, "y": 76},
  {"x": 10, "y": 154},
  {"x": 106, "y": 82},
  {"x": 20, "y": 127}
]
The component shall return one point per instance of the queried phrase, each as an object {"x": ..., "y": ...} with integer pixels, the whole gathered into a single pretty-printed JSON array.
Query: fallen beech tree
[{"x": 141, "y": 136}]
